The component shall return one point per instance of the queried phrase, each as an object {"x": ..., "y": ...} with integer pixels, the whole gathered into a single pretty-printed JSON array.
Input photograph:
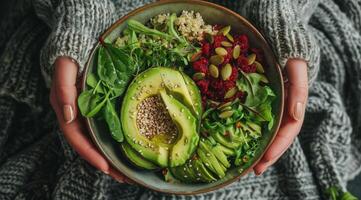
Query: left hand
[
  {"x": 296, "y": 94},
  {"x": 63, "y": 98}
]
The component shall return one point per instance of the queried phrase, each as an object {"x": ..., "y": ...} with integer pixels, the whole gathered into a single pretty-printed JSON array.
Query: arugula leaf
[
  {"x": 259, "y": 98},
  {"x": 171, "y": 29},
  {"x": 140, "y": 28}
]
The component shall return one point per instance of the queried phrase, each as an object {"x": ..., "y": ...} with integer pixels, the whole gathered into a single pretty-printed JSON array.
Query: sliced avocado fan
[{"x": 183, "y": 103}]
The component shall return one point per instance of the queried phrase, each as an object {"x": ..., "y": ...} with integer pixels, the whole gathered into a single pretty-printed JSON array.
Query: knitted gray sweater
[{"x": 36, "y": 162}]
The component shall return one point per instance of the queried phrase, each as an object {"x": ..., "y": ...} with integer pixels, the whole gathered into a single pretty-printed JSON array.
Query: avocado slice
[
  {"x": 187, "y": 126},
  {"x": 169, "y": 177},
  {"x": 217, "y": 152},
  {"x": 227, "y": 151},
  {"x": 191, "y": 174},
  {"x": 221, "y": 139},
  {"x": 195, "y": 95},
  {"x": 148, "y": 84},
  {"x": 181, "y": 173},
  {"x": 211, "y": 161},
  {"x": 183, "y": 91},
  {"x": 136, "y": 159},
  {"x": 206, "y": 176}
]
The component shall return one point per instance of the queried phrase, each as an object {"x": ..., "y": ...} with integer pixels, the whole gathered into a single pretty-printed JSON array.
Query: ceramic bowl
[{"x": 212, "y": 14}]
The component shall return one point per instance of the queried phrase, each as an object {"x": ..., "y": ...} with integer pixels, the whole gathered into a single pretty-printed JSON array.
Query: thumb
[
  {"x": 65, "y": 76},
  {"x": 298, "y": 88}
]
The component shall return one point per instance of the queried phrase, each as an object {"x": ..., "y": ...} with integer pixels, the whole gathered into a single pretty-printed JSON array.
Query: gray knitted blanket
[{"x": 36, "y": 162}]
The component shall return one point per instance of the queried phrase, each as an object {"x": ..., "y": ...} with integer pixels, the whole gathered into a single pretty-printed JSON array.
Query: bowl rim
[{"x": 198, "y": 2}]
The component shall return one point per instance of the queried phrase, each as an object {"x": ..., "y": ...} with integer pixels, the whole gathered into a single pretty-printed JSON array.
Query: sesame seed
[{"x": 154, "y": 119}]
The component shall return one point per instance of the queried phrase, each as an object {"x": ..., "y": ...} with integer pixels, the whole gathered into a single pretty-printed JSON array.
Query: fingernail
[
  {"x": 68, "y": 113},
  {"x": 259, "y": 173},
  {"x": 298, "y": 111},
  {"x": 106, "y": 172}
]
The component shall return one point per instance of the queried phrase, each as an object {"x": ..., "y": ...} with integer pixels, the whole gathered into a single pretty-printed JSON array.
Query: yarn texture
[{"x": 36, "y": 162}]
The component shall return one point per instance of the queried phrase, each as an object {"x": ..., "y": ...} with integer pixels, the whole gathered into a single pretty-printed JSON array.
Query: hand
[
  {"x": 296, "y": 97},
  {"x": 63, "y": 97}
]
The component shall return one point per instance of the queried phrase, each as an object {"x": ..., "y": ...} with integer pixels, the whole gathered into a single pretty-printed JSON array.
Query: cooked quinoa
[
  {"x": 154, "y": 119},
  {"x": 189, "y": 24}
]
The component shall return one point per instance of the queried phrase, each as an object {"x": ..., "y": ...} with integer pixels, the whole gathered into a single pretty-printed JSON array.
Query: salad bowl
[{"x": 212, "y": 14}]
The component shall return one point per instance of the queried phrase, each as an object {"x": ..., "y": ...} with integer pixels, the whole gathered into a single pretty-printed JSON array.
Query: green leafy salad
[{"x": 181, "y": 97}]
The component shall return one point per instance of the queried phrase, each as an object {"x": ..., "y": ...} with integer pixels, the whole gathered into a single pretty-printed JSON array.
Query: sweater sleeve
[
  {"x": 284, "y": 24},
  {"x": 75, "y": 26}
]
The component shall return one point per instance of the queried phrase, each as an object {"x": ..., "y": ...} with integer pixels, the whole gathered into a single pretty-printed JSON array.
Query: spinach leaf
[
  {"x": 94, "y": 83},
  {"x": 113, "y": 121},
  {"x": 118, "y": 57},
  {"x": 105, "y": 69},
  {"x": 89, "y": 103}
]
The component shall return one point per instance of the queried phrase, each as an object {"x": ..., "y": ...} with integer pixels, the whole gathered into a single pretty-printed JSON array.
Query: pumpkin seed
[
  {"x": 216, "y": 59},
  {"x": 221, "y": 51},
  {"x": 230, "y": 37},
  {"x": 230, "y": 93},
  {"x": 226, "y": 71},
  {"x": 226, "y": 108},
  {"x": 225, "y": 30},
  {"x": 251, "y": 58},
  {"x": 196, "y": 56},
  {"x": 198, "y": 76},
  {"x": 226, "y": 114},
  {"x": 213, "y": 70},
  {"x": 226, "y": 44},
  {"x": 224, "y": 105},
  {"x": 259, "y": 67},
  {"x": 209, "y": 38},
  {"x": 264, "y": 79},
  {"x": 236, "y": 51},
  {"x": 216, "y": 103}
]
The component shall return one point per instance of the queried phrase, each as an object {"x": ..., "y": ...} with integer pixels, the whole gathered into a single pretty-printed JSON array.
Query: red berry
[
  {"x": 203, "y": 86},
  {"x": 242, "y": 41},
  {"x": 201, "y": 65},
  {"x": 259, "y": 54},
  {"x": 216, "y": 84},
  {"x": 206, "y": 49},
  {"x": 249, "y": 68},
  {"x": 218, "y": 39},
  {"x": 234, "y": 74},
  {"x": 228, "y": 85},
  {"x": 242, "y": 61},
  {"x": 228, "y": 57}
]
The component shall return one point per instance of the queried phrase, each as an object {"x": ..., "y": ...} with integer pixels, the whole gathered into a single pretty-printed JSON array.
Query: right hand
[{"x": 63, "y": 98}]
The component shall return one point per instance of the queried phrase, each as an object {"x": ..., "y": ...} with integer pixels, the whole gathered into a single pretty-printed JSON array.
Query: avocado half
[{"x": 183, "y": 102}]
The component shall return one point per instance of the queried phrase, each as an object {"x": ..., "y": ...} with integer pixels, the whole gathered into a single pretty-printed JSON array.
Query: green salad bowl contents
[{"x": 182, "y": 97}]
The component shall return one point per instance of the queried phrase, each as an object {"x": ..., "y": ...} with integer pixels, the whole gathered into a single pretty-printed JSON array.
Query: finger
[
  {"x": 298, "y": 88},
  {"x": 284, "y": 138},
  {"x": 65, "y": 80},
  {"x": 262, "y": 166},
  {"x": 119, "y": 177},
  {"x": 73, "y": 132}
]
